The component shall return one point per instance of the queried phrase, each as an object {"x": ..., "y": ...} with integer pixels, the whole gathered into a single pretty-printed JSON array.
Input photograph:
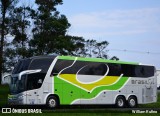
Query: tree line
[{"x": 27, "y": 31}]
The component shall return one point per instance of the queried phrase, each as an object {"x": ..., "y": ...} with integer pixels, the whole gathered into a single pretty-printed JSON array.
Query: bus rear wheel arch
[
  {"x": 132, "y": 101},
  {"x": 120, "y": 101},
  {"x": 52, "y": 101}
]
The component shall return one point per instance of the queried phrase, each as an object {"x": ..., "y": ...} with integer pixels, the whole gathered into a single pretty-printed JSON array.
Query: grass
[{"x": 4, "y": 90}]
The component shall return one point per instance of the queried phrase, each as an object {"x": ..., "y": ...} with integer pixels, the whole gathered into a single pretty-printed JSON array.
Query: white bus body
[
  {"x": 64, "y": 80},
  {"x": 158, "y": 79}
]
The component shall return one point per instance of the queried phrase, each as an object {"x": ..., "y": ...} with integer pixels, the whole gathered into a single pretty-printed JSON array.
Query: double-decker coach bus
[{"x": 68, "y": 80}]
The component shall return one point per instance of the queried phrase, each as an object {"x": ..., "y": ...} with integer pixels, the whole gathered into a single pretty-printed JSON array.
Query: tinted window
[
  {"x": 90, "y": 68},
  {"x": 93, "y": 69},
  {"x": 60, "y": 65},
  {"x": 42, "y": 63},
  {"x": 97, "y": 68},
  {"x": 34, "y": 81},
  {"x": 128, "y": 70},
  {"x": 21, "y": 66},
  {"x": 114, "y": 69},
  {"x": 75, "y": 68},
  {"x": 144, "y": 71}
]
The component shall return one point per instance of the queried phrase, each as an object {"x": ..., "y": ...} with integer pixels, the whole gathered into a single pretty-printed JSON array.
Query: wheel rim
[
  {"x": 120, "y": 103},
  {"x": 132, "y": 102},
  {"x": 52, "y": 103}
]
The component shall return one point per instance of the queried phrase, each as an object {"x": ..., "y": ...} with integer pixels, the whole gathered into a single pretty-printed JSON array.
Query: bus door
[
  {"x": 32, "y": 97},
  {"x": 34, "y": 82}
]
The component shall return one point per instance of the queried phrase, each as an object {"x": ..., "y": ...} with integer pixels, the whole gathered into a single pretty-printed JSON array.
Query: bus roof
[
  {"x": 95, "y": 60},
  {"x": 86, "y": 59},
  {"x": 45, "y": 56}
]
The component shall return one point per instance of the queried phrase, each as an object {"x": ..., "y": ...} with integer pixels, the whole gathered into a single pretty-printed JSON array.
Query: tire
[
  {"x": 120, "y": 102},
  {"x": 132, "y": 102},
  {"x": 52, "y": 102}
]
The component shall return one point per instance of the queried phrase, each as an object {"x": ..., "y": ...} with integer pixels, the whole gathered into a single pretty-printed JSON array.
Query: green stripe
[
  {"x": 94, "y": 60},
  {"x": 68, "y": 92}
]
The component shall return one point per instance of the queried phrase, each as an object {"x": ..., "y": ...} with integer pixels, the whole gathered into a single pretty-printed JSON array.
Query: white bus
[{"x": 67, "y": 80}]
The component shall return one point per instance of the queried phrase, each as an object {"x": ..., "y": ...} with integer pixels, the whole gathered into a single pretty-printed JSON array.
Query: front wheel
[
  {"x": 120, "y": 102},
  {"x": 132, "y": 102},
  {"x": 52, "y": 102}
]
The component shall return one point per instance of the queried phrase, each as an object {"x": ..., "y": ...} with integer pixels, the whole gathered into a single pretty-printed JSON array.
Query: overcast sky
[{"x": 132, "y": 25}]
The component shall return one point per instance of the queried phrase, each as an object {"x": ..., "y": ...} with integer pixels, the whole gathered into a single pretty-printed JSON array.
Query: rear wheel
[
  {"x": 132, "y": 102},
  {"x": 120, "y": 102},
  {"x": 52, "y": 102}
]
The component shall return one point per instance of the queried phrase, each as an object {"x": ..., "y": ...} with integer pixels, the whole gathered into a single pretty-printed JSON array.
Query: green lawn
[{"x": 4, "y": 90}]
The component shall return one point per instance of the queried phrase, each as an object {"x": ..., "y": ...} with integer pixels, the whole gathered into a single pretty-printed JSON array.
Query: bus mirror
[{"x": 40, "y": 81}]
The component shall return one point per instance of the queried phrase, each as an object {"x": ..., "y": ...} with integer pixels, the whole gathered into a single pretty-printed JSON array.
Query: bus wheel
[
  {"x": 52, "y": 102},
  {"x": 120, "y": 102},
  {"x": 132, "y": 101}
]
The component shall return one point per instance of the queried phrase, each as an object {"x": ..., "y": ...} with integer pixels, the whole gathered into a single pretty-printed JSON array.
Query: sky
[{"x": 132, "y": 27}]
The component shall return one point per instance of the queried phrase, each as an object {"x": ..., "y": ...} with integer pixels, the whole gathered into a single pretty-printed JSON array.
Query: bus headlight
[{"x": 20, "y": 97}]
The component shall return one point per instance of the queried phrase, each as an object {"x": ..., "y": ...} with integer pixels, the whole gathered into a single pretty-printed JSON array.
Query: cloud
[{"x": 116, "y": 22}]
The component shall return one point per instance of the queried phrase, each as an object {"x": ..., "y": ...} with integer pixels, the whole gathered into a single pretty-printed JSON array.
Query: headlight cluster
[{"x": 20, "y": 97}]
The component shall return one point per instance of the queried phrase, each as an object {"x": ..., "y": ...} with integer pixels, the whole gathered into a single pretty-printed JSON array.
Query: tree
[
  {"x": 9, "y": 57},
  {"x": 76, "y": 46},
  {"x": 89, "y": 47},
  {"x": 49, "y": 32},
  {"x": 96, "y": 49},
  {"x": 100, "y": 49},
  {"x": 5, "y": 6},
  {"x": 114, "y": 58},
  {"x": 19, "y": 24}
]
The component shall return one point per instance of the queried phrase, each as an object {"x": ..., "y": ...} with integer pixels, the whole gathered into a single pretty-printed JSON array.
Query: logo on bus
[{"x": 141, "y": 82}]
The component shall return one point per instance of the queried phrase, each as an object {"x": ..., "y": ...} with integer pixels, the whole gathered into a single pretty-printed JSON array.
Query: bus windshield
[
  {"x": 17, "y": 85},
  {"x": 21, "y": 66},
  {"x": 29, "y": 81}
]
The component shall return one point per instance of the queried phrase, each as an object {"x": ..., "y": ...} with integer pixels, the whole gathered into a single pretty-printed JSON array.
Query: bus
[{"x": 68, "y": 80}]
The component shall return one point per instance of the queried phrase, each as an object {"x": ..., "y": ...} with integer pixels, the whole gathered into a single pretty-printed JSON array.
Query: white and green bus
[{"x": 68, "y": 80}]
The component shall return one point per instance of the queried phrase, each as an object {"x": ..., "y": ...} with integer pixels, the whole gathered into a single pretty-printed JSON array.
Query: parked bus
[{"x": 68, "y": 80}]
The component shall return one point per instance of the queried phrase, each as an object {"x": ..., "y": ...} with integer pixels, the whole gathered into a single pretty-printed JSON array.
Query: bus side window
[
  {"x": 100, "y": 69},
  {"x": 60, "y": 65},
  {"x": 94, "y": 69},
  {"x": 137, "y": 70},
  {"x": 144, "y": 71},
  {"x": 34, "y": 81},
  {"x": 128, "y": 70},
  {"x": 114, "y": 70}
]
